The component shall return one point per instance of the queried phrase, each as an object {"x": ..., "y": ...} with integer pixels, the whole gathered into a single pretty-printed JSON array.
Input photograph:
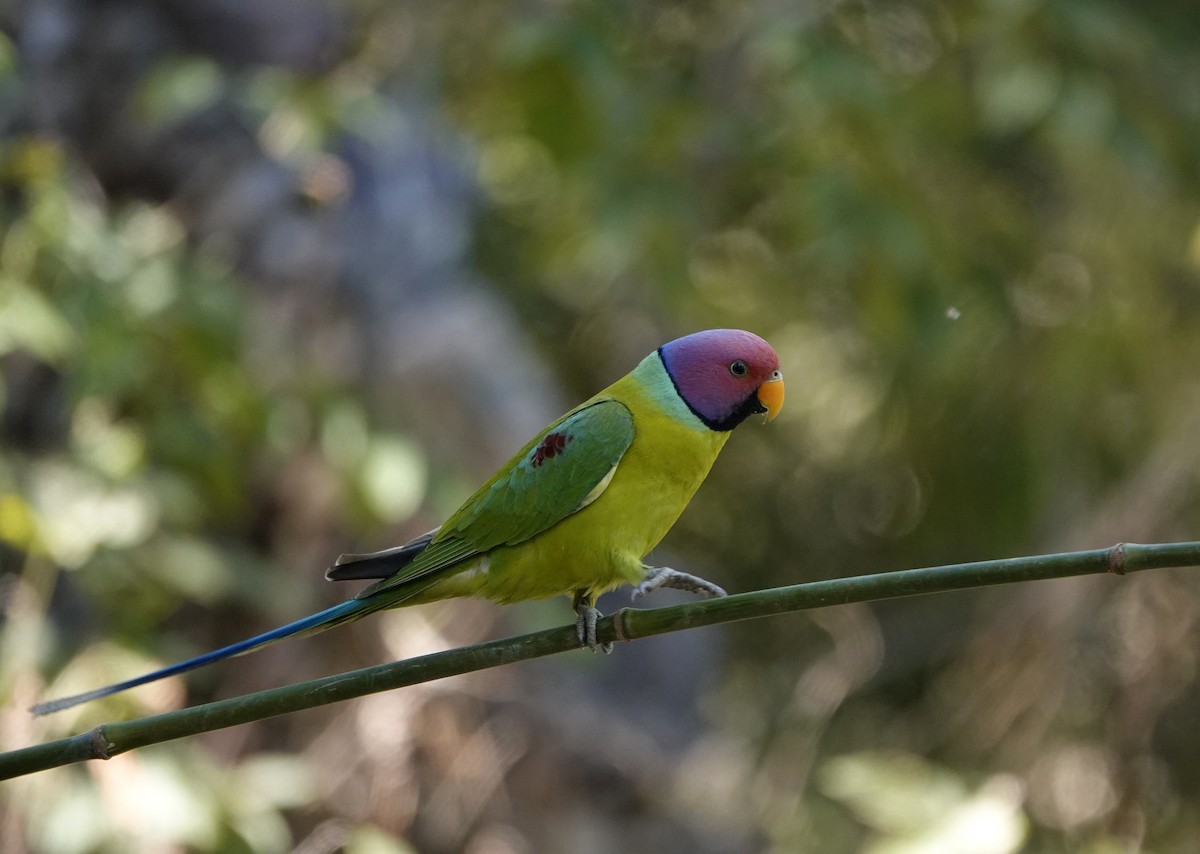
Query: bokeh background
[{"x": 282, "y": 278}]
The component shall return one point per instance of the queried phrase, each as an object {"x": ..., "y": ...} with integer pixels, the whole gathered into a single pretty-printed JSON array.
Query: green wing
[{"x": 561, "y": 471}]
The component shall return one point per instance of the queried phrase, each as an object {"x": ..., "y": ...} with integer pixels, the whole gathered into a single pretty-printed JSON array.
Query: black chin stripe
[{"x": 749, "y": 406}]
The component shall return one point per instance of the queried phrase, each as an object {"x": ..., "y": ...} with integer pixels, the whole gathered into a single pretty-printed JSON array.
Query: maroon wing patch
[{"x": 553, "y": 445}]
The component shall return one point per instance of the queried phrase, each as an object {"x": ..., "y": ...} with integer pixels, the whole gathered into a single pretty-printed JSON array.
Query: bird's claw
[
  {"x": 585, "y": 628},
  {"x": 662, "y": 576}
]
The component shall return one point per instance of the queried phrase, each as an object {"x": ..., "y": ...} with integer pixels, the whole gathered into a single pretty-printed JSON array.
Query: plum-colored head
[{"x": 724, "y": 376}]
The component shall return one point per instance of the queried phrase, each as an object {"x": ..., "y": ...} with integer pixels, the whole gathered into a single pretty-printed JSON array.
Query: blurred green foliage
[{"x": 971, "y": 230}]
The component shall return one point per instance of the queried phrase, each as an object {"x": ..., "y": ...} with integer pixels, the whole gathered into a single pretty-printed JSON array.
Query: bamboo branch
[{"x": 108, "y": 740}]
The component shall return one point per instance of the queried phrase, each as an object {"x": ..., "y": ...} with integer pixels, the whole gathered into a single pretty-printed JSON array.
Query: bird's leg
[
  {"x": 662, "y": 576},
  {"x": 586, "y": 616}
]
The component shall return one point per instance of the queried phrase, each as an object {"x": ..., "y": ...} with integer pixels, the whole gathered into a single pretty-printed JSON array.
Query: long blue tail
[{"x": 319, "y": 621}]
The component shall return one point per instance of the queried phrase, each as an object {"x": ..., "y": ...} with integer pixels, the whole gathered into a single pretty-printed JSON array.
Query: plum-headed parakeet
[{"x": 577, "y": 509}]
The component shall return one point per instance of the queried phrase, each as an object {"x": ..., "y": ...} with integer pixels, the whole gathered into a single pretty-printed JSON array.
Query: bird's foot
[
  {"x": 662, "y": 576},
  {"x": 586, "y": 617}
]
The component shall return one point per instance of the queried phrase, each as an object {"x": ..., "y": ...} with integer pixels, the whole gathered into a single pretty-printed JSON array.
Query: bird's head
[{"x": 725, "y": 375}]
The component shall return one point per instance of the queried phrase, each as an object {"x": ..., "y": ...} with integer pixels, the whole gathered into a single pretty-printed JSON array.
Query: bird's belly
[{"x": 556, "y": 562}]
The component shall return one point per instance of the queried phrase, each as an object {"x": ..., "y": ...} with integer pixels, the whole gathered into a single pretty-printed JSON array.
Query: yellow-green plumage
[{"x": 602, "y": 545}]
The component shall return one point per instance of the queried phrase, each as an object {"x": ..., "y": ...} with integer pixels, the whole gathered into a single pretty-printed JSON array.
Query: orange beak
[{"x": 770, "y": 394}]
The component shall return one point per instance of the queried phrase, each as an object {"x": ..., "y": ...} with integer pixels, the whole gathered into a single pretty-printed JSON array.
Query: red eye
[{"x": 739, "y": 368}]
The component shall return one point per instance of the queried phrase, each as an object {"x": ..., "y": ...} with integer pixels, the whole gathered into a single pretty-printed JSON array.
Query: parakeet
[{"x": 576, "y": 510}]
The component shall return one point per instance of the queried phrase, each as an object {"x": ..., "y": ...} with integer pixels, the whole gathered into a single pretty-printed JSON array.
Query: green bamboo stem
[{"x": 111, "y": 739}]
